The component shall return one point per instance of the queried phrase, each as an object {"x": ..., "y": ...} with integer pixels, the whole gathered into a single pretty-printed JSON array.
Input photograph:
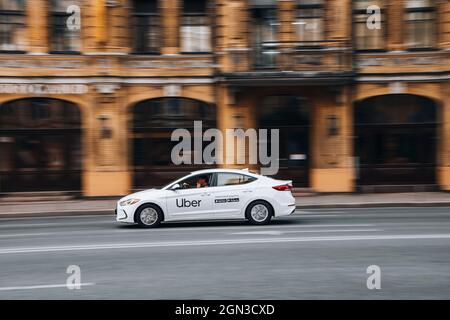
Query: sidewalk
[{"x": 95, "y": 206}]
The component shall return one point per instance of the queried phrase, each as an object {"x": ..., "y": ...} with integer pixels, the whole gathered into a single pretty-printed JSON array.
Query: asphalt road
[{"x": 314, "y": 254}]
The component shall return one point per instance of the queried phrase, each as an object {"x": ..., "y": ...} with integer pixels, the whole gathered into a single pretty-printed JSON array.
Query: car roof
[{"x": 240, "y": 171}]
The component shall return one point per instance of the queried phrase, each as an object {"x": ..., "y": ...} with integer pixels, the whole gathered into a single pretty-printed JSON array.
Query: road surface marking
[
  {"x": 279, "y": 232},
  {"x": 18, "y": 225},
  {"x": 49, "y": 224},
  {"x": 24, "y": 234},
  {"x": 85, "y": 216},
  {"x": 312, "y": 212},
  {"x": 218, "y": 242},
  {"x": 185, "y": 227},
  {"x": 314, "y": 215},
  {"x": 182, "y": 230},
  {"x": 45, "y": 286}
]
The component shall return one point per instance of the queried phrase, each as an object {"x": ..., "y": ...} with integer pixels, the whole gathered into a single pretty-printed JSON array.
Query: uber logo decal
[{"x": 186, "y": 203}]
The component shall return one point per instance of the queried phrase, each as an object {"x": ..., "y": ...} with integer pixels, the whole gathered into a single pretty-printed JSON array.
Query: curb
[
  {"x": 318, "y": 206},
  {"x": 56, "y": 214}
]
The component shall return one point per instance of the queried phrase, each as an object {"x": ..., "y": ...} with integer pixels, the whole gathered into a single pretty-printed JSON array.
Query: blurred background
[{"x": 90, "y": 91}]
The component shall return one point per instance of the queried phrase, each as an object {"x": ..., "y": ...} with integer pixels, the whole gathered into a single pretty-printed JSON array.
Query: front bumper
[{"x": 123, "y": 215}]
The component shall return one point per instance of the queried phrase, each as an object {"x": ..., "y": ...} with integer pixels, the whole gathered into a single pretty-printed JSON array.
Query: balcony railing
[{"x": 331, "y": 56}]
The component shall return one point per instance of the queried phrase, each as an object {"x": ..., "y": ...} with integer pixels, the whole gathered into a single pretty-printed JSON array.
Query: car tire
[
  {"x": 259, "y": 212},
  {"x": 148, "y": 216}
]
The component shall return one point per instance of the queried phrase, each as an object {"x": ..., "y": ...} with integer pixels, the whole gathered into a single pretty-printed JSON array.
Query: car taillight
[{"x": 283, "y": 187}]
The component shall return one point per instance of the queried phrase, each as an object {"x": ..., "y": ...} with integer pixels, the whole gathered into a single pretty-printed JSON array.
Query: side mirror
[{"x": 175, "y": 187}]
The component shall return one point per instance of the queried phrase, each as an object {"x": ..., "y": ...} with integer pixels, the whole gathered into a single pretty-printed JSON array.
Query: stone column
[
  {"x": 332, "y": 168},
  {"x": 170, "y": 24},
  {"x": 444, "y": 24},
  {"x": 286, "y": 31},
  {"x": 232, "y": 35},
  {"x": 37, "y": 24},
  {"x": 394, "y": 19},
  {"x": 118, "y": 26},
  {"x": 338, "y": 19},
  {"x": 106, "y": 172},
  {"x": 444, "y": 147},
  {"x": 101, "y": 32}
]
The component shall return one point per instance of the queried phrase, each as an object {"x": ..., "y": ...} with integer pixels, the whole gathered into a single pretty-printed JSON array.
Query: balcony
[
  {"x": 394, "y": 63},
  {"x": 114, "y": 65},
  {"x": 290, "y": 61}
]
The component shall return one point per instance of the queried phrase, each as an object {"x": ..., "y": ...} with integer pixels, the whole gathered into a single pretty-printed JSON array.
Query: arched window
[
  {"x": 40, "y": 145},
  {"x": 369, "y": 24},
  {"x": 172, "y": 113},
  {"x": 146, "y": 27},
  {"x": 396, "y": 140},
  {"x": 12, "y": 26},
  {"x": 420, "y": 24},
  {"x": 65, "y": 26},
  {"x": 39, "y": 113}
]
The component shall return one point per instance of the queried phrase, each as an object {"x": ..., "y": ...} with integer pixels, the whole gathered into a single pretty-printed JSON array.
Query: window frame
[
  {"x": 52, "y": 31},
  {"x": 265, "y": 53},
  {"x": 356, "y": 12},
  {"x": 135, "y": 36},
  {"x": 319, "y": 6},
  {"x": 207, "y": 23},
  {"x": 193, "y": 176},
  {"x": 216, "y": 174},
  {"x": 431, "y": 8},
  {"x": 14, "y": 13}
]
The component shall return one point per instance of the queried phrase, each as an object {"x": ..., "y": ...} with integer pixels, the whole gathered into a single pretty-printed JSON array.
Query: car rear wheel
[
  {"x": 148, "y": 216},
  {"x": 259, "y": 212}
]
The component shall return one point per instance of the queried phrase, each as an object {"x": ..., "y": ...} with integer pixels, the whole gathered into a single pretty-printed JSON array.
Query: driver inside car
[{"x": 201, "y": 182}]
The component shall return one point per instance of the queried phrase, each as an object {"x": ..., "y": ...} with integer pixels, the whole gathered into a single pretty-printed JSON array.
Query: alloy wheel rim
[
  {"x": 259, "y": 212},
  {"x": 149, "y": 216}
]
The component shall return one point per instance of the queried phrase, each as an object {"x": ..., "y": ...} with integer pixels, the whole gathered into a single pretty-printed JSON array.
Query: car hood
[{"x": 146, "y": 194}]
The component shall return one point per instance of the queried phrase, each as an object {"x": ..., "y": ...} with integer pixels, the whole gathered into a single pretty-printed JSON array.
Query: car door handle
[
  {"x": 248, "y": 191},
  {"x": 206, "y": 194}
]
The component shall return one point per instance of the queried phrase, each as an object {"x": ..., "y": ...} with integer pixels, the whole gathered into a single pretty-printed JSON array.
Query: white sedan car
[{"x": 207, "y": 195}]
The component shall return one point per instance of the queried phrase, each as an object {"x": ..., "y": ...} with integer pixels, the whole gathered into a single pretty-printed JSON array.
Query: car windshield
[{"x": 179, "y": 180}]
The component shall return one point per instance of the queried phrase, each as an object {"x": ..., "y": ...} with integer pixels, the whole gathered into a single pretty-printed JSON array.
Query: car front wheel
[
  {"x": 148, "y": 216},
  {"x": 259, "y": 212}
]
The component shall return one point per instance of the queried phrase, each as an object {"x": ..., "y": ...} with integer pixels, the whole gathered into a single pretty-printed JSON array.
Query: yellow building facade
[{"x": 88, "y": 105}]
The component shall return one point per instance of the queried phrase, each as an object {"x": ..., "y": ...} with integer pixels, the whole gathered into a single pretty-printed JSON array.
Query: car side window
[
  {"x": 231, "y": 179},
  {"x": 197, "y": 181}
]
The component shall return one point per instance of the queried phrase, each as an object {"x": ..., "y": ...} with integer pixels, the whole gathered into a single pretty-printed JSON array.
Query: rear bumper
[{"x": 286, "y": 210}]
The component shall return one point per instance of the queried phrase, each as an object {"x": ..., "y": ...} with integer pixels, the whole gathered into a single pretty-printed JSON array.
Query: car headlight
[{"x": 129, "y": 202}]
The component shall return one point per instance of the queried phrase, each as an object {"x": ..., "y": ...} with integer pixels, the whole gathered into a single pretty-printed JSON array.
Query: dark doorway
[
  {"x": 40, "y": 145},
  {"x": 291, "y": 115},
  {"x": 396, "y": 140},
  {"x": 153, "y": 123}
]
